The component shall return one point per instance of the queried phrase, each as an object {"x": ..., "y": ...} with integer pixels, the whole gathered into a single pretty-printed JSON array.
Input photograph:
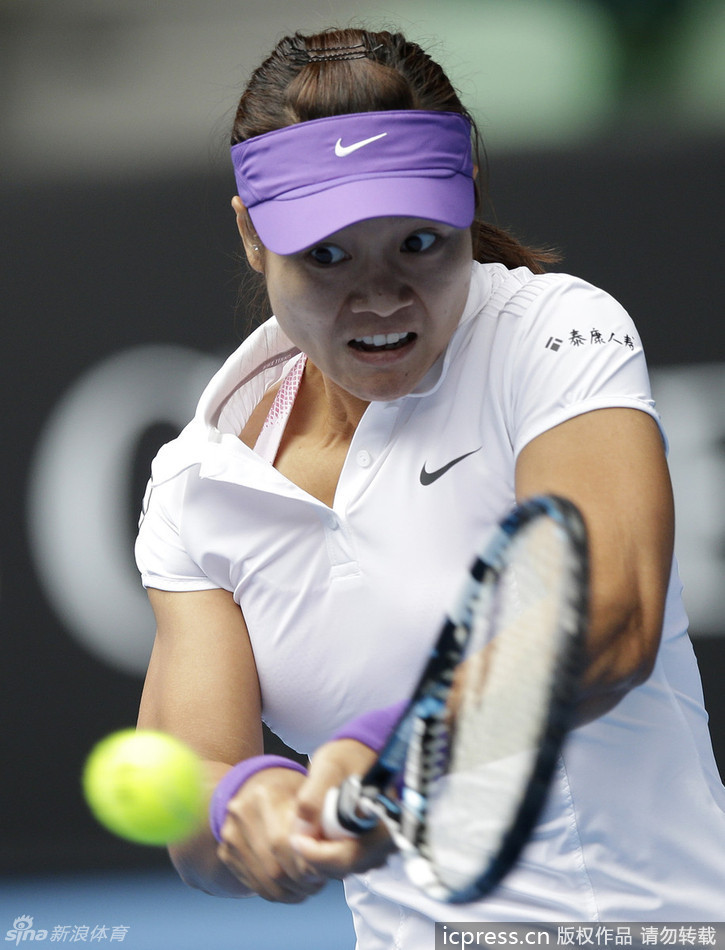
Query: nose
[{"x": 380, "y": 293}]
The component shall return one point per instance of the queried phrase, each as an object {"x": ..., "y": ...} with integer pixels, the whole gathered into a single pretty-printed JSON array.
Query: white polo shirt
[{"x": 342, "y": 604}]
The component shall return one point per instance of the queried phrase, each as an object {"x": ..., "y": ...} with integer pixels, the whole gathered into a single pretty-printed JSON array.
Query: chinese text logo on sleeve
[{"x": 595, "y": 337}]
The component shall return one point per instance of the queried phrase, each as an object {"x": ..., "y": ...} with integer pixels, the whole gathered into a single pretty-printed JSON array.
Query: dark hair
[{"x": 337, "y": 72}]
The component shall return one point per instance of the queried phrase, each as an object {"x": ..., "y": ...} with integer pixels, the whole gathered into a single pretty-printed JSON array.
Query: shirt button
[{"x": 363, "y": 459}]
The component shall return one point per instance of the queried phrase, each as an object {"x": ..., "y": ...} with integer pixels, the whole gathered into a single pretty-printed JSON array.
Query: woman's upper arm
[
  {"x": 202, "y": 683},
  {"x": 611, "y": 463}
]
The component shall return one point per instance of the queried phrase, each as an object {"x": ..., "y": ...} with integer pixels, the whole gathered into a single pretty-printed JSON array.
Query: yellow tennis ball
[{"x": 146, "y": 786}]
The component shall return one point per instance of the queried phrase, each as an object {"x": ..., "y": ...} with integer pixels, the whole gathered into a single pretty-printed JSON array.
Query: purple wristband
[
  {"x": 235, "y": 778},
  {"x": 374, "y": 727}
]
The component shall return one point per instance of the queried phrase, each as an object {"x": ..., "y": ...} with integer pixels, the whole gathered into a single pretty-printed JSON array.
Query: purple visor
[{"x": 302, "y": 183}]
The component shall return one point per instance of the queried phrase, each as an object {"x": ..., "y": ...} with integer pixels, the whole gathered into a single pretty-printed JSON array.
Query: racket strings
[
  {"x": 511, "y": 661},
  {"x": 496, "y": 714}
]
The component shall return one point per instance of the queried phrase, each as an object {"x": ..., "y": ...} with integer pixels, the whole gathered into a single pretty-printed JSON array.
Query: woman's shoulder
[{"x": 520, "y": 301}]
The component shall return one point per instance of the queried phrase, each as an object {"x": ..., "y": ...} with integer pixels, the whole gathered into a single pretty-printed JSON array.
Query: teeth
[{"x": 381, "y": 339}]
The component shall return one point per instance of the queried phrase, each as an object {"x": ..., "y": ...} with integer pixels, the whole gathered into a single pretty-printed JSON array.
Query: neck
[{"x": 335, "y": 410}]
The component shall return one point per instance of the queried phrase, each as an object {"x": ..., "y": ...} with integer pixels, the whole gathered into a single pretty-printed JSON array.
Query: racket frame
[{"x": 386, "y": 793}]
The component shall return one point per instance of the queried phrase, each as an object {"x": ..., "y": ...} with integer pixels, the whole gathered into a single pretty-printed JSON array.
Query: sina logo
[{"x": 23, "y": 930}]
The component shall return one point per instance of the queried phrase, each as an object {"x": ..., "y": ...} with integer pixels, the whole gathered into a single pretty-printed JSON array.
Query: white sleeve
[
  {"x": 574, "y": 349},
  {"x": 161, "y": 556}
]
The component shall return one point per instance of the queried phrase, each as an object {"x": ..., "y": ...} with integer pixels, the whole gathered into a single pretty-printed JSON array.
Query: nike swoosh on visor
[{"x": 342, "y": 150}]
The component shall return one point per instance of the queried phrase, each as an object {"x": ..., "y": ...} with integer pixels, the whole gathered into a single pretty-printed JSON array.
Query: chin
[{"x": 386, "y": 393}]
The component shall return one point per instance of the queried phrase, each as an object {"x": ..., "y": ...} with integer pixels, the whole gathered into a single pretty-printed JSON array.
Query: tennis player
[{"x": 303, "y": 536}]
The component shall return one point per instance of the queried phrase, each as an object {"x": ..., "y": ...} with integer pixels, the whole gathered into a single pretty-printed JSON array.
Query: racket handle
[{"x": 341, "y": 817}]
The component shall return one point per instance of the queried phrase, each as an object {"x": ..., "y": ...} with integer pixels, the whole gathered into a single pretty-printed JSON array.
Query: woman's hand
[
  {"x": 330, "y": 766},
  {"x": 256, "y": 837}
]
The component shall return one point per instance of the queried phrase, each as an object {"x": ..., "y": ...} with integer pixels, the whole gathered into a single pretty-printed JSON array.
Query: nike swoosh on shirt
[
  {"x": 427, "y": 478},
  {"x": 342, "y": 150}
]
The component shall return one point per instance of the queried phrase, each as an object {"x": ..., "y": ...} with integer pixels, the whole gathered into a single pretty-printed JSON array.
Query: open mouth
[{"x": 381, "y": 342}]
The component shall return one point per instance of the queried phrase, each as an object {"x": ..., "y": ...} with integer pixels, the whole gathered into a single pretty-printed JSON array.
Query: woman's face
[{"x": 375, "y": 304}]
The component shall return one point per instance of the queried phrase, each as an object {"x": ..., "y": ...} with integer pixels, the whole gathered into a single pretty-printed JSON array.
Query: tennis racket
[{"x": 464, "y": 774}]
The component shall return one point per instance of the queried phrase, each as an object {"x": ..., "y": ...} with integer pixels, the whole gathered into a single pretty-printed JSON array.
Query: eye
[
  {"x": 327, "y": 254},
  {"x": 418, "y": 241}
]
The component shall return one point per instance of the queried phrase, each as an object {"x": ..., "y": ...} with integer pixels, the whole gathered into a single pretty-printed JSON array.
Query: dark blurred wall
[{"x": 120, "y": 300}]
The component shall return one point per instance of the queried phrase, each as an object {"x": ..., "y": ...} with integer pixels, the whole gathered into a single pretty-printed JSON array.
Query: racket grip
[{"x": 341, "y": 817}]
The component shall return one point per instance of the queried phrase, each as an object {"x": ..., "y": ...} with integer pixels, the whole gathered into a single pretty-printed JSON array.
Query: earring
[{"x": 255, "y": 247}]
